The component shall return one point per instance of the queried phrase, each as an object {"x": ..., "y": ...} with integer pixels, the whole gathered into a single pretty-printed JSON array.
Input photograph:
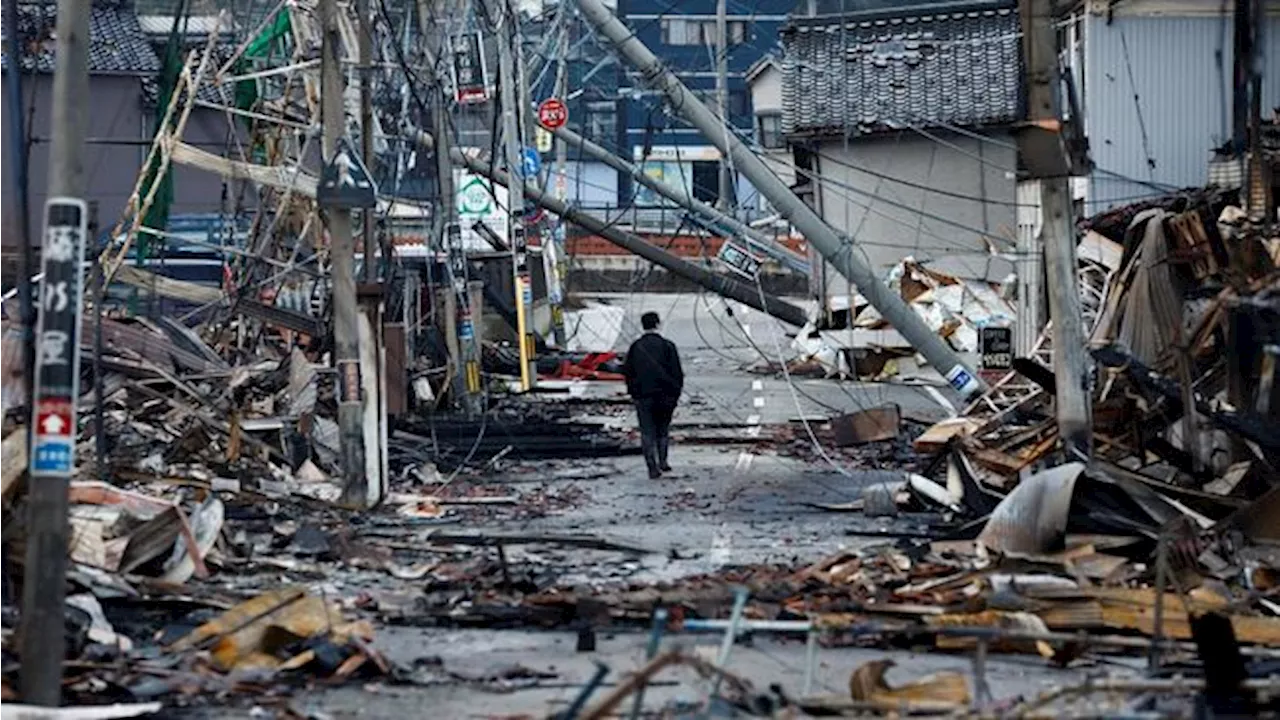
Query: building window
[
  {"x": 769, "y": 130},
  {"x": 683, "y": 31},
  {"x": 602, "y": 120}
]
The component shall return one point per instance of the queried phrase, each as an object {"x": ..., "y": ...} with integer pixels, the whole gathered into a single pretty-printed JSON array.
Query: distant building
[
  {"x": 684, "y": 38},
  {"x": 121, "y": 64}
]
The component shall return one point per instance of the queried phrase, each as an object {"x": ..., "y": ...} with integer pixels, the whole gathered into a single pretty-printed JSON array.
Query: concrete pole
[
  {"x": 557, "y": 239},
  {"x": 45, "y": 572},
  {"x": 1071, "y": 361},
  {"x": 467, "y": 367},
  {"x": 366, "y": 131},
  {"x": 722, "y": 98},
  {"x": 722, "y": 285},
  {"x": 509, "y": 97},
  {"x": 346, "y": 312},
  {"x": 837, "y": 250},
  {"x": 753, "y": 237}
]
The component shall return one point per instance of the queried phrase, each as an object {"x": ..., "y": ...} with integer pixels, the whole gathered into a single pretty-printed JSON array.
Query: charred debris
[{"x": 212, "y": 555}]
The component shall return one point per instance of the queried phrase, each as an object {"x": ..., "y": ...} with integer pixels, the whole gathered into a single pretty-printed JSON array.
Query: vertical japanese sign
[
  {"x": 470, "y": 76},
  {"x": 57, "y": 380}
]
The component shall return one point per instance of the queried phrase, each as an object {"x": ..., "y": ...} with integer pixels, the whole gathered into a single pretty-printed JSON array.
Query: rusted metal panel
[{"x": 397, "y": 369}]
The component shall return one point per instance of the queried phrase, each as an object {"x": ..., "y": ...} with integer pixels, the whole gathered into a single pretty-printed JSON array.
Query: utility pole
[
  {"x": 837, "y": 250},
  {"x": 560, "y": 255},
  {"x": 730, "y": 225},
  {"x": 722, "y": 98},
  {"x": 365, "y": 48},
  {"x": 346, "y": 312},
  {"x": 18, "y": 152},
  {"x": 467, "y": 368},
  {"x": 509, "y": 98},
  {"x": 56, "y": 383},
  {"x": 723, "y": 285},
  {"x": 1045, "y": 150}
]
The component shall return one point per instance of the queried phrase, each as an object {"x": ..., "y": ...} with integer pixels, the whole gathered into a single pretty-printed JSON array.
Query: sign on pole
[
  {"x": 997, "y": 348},
  {"x": 57, "y": 366},
  {"x": 739, "y": 260},
  {"x": 530, "y": 163},
  {"x": 553, "y": 113},
  {"x": 470, "y": 76},
  {"x": 345, "y": 182}
]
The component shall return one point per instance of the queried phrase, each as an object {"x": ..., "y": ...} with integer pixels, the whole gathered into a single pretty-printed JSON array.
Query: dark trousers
[{"x": 654, "y": 415}]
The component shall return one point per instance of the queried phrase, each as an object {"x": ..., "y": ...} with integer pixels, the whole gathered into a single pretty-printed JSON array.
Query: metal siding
[
  {"x": 1184, "y": 94},
  {"x": 881, "y": 215}
]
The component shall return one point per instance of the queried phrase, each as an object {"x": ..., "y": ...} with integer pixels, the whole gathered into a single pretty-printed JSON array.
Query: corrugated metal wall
[{"x": 1182, "y": 88}]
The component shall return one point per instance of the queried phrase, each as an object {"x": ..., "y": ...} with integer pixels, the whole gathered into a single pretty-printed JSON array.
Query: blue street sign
[
  {"x": 51, "y": 456},
  {"x": 530, "y": 163}
]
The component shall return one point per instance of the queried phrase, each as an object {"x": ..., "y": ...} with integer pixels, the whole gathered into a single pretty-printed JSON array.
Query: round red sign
[{"x": 553, "y": 114}]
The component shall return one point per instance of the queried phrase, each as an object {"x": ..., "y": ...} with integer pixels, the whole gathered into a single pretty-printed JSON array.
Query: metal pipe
[
  {"x": 837, "y": 250},
  {"x": 753, "y": 237},
  {"x": 655, "y": 639},
  {"x": 17, "y": 150}
]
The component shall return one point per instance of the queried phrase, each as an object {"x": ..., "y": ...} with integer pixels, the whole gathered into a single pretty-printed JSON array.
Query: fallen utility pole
[
  {"x": 753, "y": 237},
  {"x": 837, "y": 250},
  {"x": 346, "y": 312},
  {"x": 1046, "y": 158},
  {"x": 720, "y": 284},
  {"x": 55, "y": 388},
  {"x": 509, "y": 97}
]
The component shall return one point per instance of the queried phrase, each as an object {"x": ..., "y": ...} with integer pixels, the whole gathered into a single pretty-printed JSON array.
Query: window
[
  {"x": 769, "y": 130},
  {"x": 602, "y": 121},
  {"x": 683, "y": 31}
]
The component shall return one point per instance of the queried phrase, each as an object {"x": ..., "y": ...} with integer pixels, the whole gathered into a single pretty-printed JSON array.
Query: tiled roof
[
  {"x": 117, "y": 43},
  {"x": 870, "y": 72}
]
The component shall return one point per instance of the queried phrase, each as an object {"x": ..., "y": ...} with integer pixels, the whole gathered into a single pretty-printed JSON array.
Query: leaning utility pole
[
  {"x": 432, "y": 25},
  {"x": 837, "y": 250},
  {"x": 729, "y": 224},
  {"x": 346, "y": 312},
  {"x": 56, "y": 386},
  {"x": 509, "y": 98},
  {"x": 1050, "y": 153},
  {"x": 723, "y": 285},
  {"x": 722, "y": 98}
]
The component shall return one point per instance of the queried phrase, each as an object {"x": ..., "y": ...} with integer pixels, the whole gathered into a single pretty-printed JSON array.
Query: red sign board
[
  {"x": 552, "y": 114},
  {"x": 53, "y": 417}
]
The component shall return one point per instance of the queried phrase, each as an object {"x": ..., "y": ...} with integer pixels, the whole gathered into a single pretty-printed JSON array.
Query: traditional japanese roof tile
[
  {"x": 945, "y": 64},
  {"x": 118, "y": 46}
]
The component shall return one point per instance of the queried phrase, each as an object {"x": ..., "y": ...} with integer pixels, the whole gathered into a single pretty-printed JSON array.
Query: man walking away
[{"x": 655, "y": 381}]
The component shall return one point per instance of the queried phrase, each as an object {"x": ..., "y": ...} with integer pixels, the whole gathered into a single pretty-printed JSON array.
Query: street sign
[
  {"x": 997, "y": 348},
  {"x": 345, "y": 182},
  {"x": 543, "y": 139},
  {"x": 470, "y": 76},
  {"x": 57, "y": 371},
  {"x": 739, "y": 260},
  {"x": 530, "y": 163},
  {"x": 553, "y": 114}
]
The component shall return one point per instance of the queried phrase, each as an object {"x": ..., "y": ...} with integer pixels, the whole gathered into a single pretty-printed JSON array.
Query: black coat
[{"x": 652, "y": 368}]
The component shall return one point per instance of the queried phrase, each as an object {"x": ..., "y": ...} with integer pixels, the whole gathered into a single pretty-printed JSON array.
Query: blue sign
[
  {"x": 530, "y": 163},
  {"x": 51, "y": 456}
]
